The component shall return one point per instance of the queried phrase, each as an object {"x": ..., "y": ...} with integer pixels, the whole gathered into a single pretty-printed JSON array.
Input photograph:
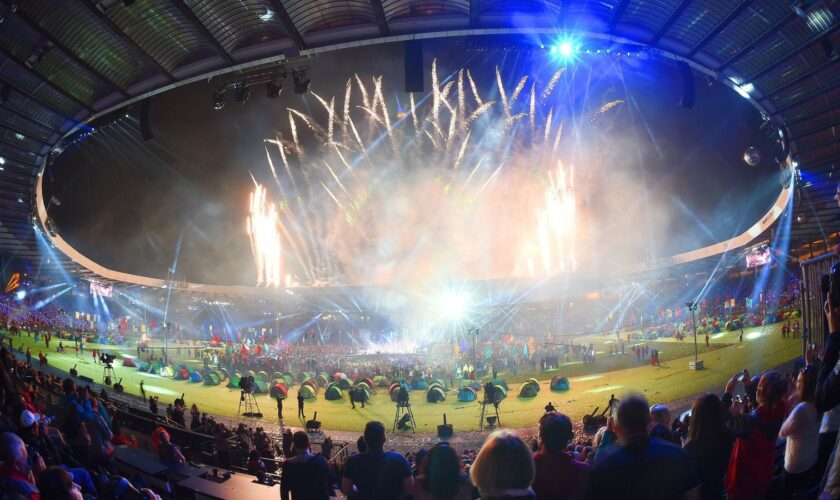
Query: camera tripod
[
  {"x": 249, "y": 402},
  {"x": 108, "y": 373},
  {"x": 404, "y": 409},
  {"x": 489, "y": 417}
]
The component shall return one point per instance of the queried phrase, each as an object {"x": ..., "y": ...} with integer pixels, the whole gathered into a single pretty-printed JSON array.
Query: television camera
[
  {"x": 107, "y": 358},
  {"x": 246, "y": 384}
]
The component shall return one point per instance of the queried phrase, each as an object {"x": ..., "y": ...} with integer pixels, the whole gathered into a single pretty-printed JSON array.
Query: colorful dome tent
[
  {"x": 364, "y": 386},
  {"x": 212, "y": 378},
  {"x": 529, "y": 389},
  {"x": 440, "y": 382},
  {"x": 466, "y": 395},
  {"x": 345, "y": 383},
  {"x": 143, "y": 366},
  {"x": 333, "y": 392},
  {"x": 435, "y": 394},
  {"x": 366, "y": 380},
  {"x": 305, "y": 376},
  {"x": 165, "y": 371},
  {"x": 196, "y": 377},
  {"x": 224, "y": 373},
  {"x": 338, "y": 376},
  {"x": 322, "y": 380},
  {"x": 438, "y": 385},
  {"x": 262, "y": 375},
  {"x": 129, "y": 362},
  {"x": 311, "y": 384},
  {"x": 420, "y": 384},
  {"x": 182, "y": 373},
  {"x": 279, "y": 389},
  {"x": 276, "y": 375},
  {"x": 360, "y": 393},
  {"x": 233, "y": 381},
  {"x": 501, "y": 392},
  {"x": 260, "y": 386},
  {"x": 306, "y": 391},
  {"x": 559, "y": 384},
  {"x": 381, "y": 381},
  {"x": 473, "y": 384}
]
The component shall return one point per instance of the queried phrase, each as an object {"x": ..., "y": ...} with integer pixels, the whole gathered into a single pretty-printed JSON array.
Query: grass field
[{"x": 591, "y": 385}]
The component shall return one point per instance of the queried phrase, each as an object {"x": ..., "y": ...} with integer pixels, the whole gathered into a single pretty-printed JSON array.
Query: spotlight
[
  {"x": 454, "y": 305},
  {"x": 242, "y": 92},
  {"x": 273, "y": 89},
  {"x": 218, "y": 99},
  {"x": 302, "y": 79},
  {"x": 566, "y": 49}
]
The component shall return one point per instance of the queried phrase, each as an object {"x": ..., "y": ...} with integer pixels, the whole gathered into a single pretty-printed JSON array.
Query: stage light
[
  {"x": 566, "y": 49},
  {"x": 242, "y": 92},
  {"x": 2, "y": 161},
  {"x": 20, "y": 294},
  {"x": 218, "y": 99},
  {"x": 454, "y": 305},
  {"x": 273, "y": 89},
  {"x": 302, "y": 79}
]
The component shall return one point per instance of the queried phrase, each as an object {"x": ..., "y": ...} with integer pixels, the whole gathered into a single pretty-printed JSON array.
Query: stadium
[{"x": 236, "y": 237}]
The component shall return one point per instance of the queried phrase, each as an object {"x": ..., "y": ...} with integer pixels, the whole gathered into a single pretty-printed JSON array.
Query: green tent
[
  {"x": 439, "y": 386},
  {"x": 322, "y": 380},
  {"x": 360, "y": 393},
  {"x": 260, "y": 387},
  {"x": 380, "y": 381},
  {"x": 262, "y": 375},
  {"x": 466, "y": 394},
  {"x": 212, "y": 379},
  {"x": 366, "y": 380},
  {"x": 344, "y": 383},
  {"x": 233, "y": 382},
  {"x": 311, "y": 384},
  {"x": 290, "y": 380},
  {"x": 528, "y": 390},
  {"x": 501, "y": 391},
  {"x": 365, "y": 386},
  {"x": 333, "y": 392},
  {"x": 435, "y": 394},
  {"x": 276, "y": 375},
  {"x": 306, "y": 391},
  {"x": 440, "y": 382},
  {"x": 559, "y": 383}
]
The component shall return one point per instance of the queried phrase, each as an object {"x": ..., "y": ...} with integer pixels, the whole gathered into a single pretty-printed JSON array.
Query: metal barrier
[{"x": 814, "y": 323}]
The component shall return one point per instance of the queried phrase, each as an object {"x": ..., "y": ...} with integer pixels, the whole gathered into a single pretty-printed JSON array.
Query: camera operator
[
  {"x": 490, "y": 395},
  {"x": 402, "y": 396}
]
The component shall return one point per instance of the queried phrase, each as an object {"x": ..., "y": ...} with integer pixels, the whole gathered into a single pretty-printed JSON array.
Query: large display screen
[
  {"x": 101, "y": 289},
  {"x": 758, "y": 257}
]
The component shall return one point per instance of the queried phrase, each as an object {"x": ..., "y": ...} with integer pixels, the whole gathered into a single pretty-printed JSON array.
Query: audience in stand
[
  {"x": 750, "y": 471},
  {"x": 504, "y": 468},
  {"x": 558, "y": 475},
  {"x": 801, "y": 429},
  {"x": 305, "y": 475},
  {"x": 709, "y": 445},
  {"x": 376, "y": 474},
  {"x": 441, "y": 476},
  {"x": 641, "y": 467}
]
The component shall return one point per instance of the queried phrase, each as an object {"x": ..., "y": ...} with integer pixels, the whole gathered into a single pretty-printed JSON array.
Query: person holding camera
[{"x": 300, "y": 405}]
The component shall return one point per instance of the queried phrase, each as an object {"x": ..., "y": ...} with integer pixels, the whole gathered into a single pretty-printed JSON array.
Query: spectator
[
  {"x": 750, "y": 471},
  {"x": 504, "y": 468},
  {"x": 377, "y": 474},
  {"x": 56, "y": 483},
  {"x": 661, "y": 419},
  {"x": 442, "y": 476},
  {"x": 641, "y": 467},
  {"x": 801, "y": 429},
  {"x": 75, "y": 410},
  {"x": 16, "y": 475},
  {"x": 169, "y": 454},
  {"x": 305, "y": 475},
  {"x": 709, "y": 445},
  {"x": 557, "y": 475}
]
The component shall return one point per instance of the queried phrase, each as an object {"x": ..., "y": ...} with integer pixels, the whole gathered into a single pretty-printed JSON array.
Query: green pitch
[{"x": 591, "y": 384}]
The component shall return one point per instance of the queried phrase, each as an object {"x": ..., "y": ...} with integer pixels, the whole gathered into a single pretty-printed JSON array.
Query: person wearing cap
[{"x": 660, "y": 417}]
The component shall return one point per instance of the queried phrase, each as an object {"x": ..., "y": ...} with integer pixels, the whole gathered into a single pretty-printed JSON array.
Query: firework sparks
[
  {"x": 263, "y": 225},
  {"x": 442, "y": 139}
]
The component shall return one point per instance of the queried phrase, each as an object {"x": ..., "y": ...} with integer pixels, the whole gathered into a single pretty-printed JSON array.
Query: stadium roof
[{"x": 63, "y": 63}]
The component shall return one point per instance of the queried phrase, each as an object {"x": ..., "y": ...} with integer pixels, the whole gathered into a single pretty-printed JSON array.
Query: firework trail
[{"x": 442, "y": 140}]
